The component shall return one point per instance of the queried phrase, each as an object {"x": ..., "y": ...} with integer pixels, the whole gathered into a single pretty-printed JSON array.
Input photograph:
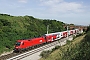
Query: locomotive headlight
[{"x": 17, "y": 47}]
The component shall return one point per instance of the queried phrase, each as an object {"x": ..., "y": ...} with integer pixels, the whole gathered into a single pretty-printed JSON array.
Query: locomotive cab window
[{"x": 18, "y": 43}]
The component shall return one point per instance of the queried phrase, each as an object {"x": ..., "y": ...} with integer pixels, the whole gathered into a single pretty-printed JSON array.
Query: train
[{"x": 24, "y": 44}]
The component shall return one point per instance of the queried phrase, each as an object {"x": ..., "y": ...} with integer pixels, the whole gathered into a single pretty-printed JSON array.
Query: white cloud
[
  {"x": 23, "y": 1},
  {"x": 50, "y": 2},
  {"x": 57, "y": 6}
]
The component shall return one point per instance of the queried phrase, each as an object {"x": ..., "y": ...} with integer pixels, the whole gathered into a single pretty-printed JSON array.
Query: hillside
[
  {"x": 13, "y": 28},
  {"x": 78, "y": 49}
]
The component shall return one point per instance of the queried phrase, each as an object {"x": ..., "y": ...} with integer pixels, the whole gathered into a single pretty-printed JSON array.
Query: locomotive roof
[{"x": 20, "y": 40}]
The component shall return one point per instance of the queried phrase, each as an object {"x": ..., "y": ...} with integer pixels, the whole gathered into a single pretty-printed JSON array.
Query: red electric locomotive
[{"x": 28, "y": 43}]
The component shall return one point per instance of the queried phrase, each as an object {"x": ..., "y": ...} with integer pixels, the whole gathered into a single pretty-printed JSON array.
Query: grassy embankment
[
  {"x": 13, "y": 28},
  {"x": 78, "y": 49}
]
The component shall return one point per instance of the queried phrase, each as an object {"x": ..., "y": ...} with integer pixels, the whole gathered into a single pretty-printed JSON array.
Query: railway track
[
  {"x": 8, "y": 56},
  {"x": 18, "y": 56}
]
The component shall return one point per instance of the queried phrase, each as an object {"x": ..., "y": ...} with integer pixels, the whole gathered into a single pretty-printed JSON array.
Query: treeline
[{"x": 13, "y": 28}]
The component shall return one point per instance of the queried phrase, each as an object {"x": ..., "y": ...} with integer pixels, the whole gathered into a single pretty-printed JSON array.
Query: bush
[
  {"x": 87, "y": 37},
  {"x": 45, "y": 54},
  {"x": 56, "y": 47}
]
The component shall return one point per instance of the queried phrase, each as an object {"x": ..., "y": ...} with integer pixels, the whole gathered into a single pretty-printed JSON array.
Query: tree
[{"x": 88, "y": 29}]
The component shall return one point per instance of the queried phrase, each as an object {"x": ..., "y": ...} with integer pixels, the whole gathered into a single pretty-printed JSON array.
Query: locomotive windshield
[{"x": 18, "y": 43}]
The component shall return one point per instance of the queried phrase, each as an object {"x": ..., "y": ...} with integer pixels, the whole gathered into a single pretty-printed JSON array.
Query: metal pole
[
  {"x": 67, "y": 32},
  {"x": 47, "y": 28}
]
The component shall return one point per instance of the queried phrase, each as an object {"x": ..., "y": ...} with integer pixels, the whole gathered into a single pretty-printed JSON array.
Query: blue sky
[{"x": 68, "y": 11}]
